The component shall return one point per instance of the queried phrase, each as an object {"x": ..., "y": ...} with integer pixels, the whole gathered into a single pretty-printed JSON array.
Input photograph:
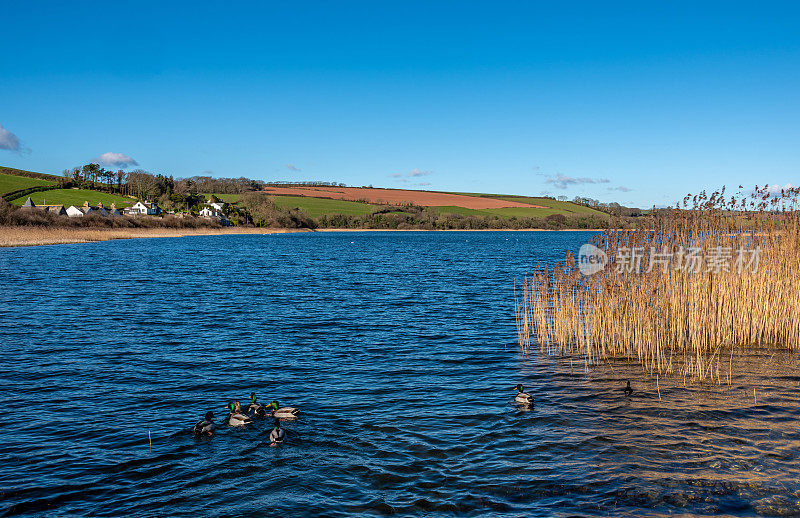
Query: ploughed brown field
[{"x": 398, "y": 197}]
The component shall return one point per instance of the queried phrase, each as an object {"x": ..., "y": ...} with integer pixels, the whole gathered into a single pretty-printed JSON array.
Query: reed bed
[
  {"x": 682, "y": 294},
  {"x": 31, "y": 235}
]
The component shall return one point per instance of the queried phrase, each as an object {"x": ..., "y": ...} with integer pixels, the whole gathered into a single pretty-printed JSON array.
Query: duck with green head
[
  {"x": 522, "y": 397},
  {"x": 255, "y": 408},
  {"x": 236, "y": 417},
  {"x": 277, "y": 435},
  {"x": 275, "y": 410}
]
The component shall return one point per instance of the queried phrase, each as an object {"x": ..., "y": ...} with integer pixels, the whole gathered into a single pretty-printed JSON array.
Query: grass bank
[{"x": 33, "y": 236}]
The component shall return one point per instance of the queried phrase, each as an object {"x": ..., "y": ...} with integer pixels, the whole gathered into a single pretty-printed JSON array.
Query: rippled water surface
[{"x": 399, "y": 348}]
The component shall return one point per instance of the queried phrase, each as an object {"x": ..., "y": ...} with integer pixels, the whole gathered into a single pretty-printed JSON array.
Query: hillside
[
  {"x": 75, "y": 197},
  {"x": 324, "y": 206},
  {"x": 317, "y": 201},
  {"x": 10, "y": 183}
]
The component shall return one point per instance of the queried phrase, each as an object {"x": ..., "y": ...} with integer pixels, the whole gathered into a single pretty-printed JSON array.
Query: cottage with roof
[
  {"x": 143, "y": 208},
  {"x": 57, "y": 210},
  {"x": 215, "y": 204},
  {"x": 74, "y": 212},
  {"x": 208, "y": 212}
]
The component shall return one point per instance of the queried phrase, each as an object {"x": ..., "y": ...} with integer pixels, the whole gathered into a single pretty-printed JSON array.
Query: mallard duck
[
  {"x": 236, "y": 417},
  {"x": 522, "y": 397},
  {"x": 628, "y": 390},
  {"x": 206, "y": 426},
  {"x": 282, "y": 413},
  {"x": 255, "y": 408},
  {"x": 277, "y": 435}
]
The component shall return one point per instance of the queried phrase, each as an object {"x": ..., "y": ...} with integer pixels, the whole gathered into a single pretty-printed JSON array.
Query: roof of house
[{"x": 28, "y": 203}]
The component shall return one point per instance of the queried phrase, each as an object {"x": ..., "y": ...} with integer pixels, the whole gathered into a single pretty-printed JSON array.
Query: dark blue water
[{"x": 400, "y": 350}]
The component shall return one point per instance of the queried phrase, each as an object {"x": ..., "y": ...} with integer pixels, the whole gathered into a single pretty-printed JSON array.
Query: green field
[
  {"x": 316, "y": 207},
  {"x": 227, "y": 198},
  {"x": 505, "y": 212},
  {"x": 31, "y": 174},
  {"x": 75, "y": 197},
  {"x": 10, "y": 183},
  {"x": 566, "y": 206}
]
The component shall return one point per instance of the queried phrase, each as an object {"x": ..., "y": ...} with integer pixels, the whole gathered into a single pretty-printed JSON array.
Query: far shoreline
[
  {"x": 459, "y": 230},
  {"x": 42, "y": 236}
]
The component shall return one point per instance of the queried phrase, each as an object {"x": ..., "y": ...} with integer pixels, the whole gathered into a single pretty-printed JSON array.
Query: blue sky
[{"x": 620, "y": 102}]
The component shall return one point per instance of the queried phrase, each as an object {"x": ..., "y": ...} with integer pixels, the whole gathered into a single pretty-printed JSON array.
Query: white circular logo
[{"x": 591, "y": 259}]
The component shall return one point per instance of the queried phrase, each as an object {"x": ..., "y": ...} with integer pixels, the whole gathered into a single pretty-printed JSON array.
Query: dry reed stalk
[
  {"x": 32, "y": 235},
  {"x": 669, "y": 318}
]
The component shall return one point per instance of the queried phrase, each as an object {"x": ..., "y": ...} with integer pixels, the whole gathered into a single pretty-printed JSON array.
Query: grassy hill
[
  {"x": 75, "y": 197},
  {"x": 30, "y": 174},
  {"x": 567, "y": 208},
  {"x": 533, "y": 210},
  {"x": 10, "y": 182},
  {"x": 316, "y": 207}
]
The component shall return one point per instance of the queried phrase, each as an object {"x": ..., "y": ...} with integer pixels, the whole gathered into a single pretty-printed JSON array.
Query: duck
[
  {"x": 522, "y": 397},
  {"x": 628, "y": 390},
  {"x": 236, "y": 417},
  {"x": 255, "y": 408},
  {"x": 206, "y": 426},
  {"x": 282, "y": 413},
  {"x": 277, "y": 435}
]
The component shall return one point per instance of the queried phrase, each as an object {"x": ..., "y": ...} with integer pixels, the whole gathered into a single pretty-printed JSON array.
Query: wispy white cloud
[
  {"x": 620, "y": 188},
  {"x": 561, "y": 181},
  {"x": 414, "y": 173},
  {"x": 291, "y": 167},
  {"x": 10, "y": 141},
  {"x": 115, "y": 160}
]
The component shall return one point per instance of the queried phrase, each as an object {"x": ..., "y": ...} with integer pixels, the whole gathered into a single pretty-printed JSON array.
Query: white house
[
  {"x": 210, "y": 213},
  {"x": 218, "y": 206},
  {"x": 144, "y": 208},
  {"x": 74, "y": 212}
]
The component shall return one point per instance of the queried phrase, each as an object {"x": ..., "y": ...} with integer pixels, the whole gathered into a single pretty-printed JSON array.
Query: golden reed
[{"x": 682, "y": 293}]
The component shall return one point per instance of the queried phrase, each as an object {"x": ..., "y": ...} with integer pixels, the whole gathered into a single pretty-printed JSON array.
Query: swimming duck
[
  {"x": 236, "y": 417},
  {"x": 522, "y": 397},
  {"x": 277, "y": 435},
  {"x": 206, "y": 426},
  {"x": 282, "y": 413},
  {"x": 628, "y": 390},
  {"x": 255, "y": 408}
]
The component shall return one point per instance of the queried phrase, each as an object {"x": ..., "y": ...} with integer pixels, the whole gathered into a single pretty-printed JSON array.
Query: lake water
[{"x": 399, "y": 348}]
